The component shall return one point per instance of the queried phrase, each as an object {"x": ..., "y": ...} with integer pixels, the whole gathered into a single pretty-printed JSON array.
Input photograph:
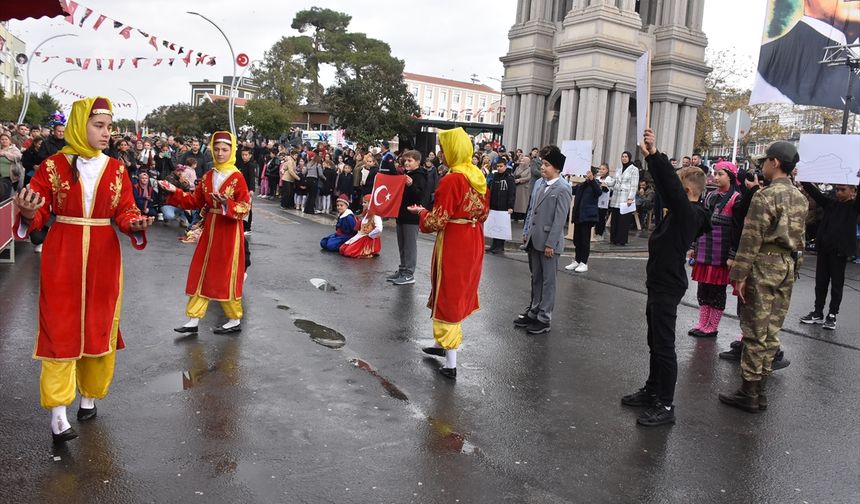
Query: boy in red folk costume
[
  {"x": 80, "y": 283},
  {"x": 459, "y": 211},
  {"x": 217, "y": 271}
]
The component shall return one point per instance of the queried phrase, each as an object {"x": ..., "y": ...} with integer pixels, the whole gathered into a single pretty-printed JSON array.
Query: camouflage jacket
[{"x": 776, "y": 219}]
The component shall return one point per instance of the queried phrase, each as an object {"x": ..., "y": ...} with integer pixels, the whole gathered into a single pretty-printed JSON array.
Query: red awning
[{"x": 16, "y": 9}]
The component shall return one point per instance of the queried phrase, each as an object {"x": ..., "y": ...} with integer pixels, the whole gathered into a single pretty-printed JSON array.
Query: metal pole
[
  {"x": 51, "y": 84},
  {"x": 231, "y": 101},
  {"x": 852, "y": 69},
  {"x": 737, "y": 132},
  {"x": 26, "y": 103},
  {"x": 136, "y": 112}
]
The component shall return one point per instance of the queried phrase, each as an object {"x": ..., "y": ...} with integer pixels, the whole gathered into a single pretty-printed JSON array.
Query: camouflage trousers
[{"x": 768, "y": 294}]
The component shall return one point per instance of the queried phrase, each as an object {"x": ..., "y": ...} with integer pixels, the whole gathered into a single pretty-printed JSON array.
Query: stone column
[
  {"x": 521, "y": 10},
  {"x": 512, "y": 117},
  {"x": 523, "y": 122},
  {"x": 567, "y": 115},
  {"x": 618, "y": 121},
  {"x": 686, "y": 131},
  {"x": 591, "y": 120},
  {"x": 664, "y": 122},
  {"x": 539, "y": 114},
  {"x": 697, "y": 8},
  {"x": 674, "y": 12}
]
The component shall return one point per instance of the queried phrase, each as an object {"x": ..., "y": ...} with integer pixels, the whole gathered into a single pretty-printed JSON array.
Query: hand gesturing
[{"x": 28, "y": 202}]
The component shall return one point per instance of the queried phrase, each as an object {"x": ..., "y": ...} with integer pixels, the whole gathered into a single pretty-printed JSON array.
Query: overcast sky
[{"x": 447, "y": 38}]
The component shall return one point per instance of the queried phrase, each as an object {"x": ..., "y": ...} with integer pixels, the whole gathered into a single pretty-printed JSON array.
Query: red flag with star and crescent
[{"x": 387, "y": 195}]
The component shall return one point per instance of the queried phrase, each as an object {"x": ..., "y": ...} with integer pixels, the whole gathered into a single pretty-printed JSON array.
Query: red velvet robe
[
  {"x": 458, "y": 255},
  {"x": 217, "y": 269},
  {"x": 80, "y": 281}
]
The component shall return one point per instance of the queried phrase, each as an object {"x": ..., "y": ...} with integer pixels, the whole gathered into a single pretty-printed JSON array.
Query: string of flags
[
  {"x": 109, "y": 64},
  {"x": 75, "y": 94},
  {"x": 87, "y": 15}
]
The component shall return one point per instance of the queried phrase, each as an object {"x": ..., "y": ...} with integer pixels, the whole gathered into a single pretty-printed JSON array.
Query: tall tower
[{"x": 570, "y": 73}]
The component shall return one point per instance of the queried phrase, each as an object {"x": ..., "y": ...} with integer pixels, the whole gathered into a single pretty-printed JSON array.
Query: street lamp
[
  {"x": 136, "y": 111},
  {"x": 231, "y": 102},
  {"x": 51, "y": 83},
  {"x": 26, "y": 102},
  {"x": 239, "y": 80}
]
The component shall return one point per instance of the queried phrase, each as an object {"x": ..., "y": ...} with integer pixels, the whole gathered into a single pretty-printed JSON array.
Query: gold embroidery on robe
[
  {"x": 436, "y": 220},
  {"x": 116, "y": 187},
  {"x": 57, "y": 184}
]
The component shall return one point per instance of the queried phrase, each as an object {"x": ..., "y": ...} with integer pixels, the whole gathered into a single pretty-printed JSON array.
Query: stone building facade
[{"x": 570, "y": 73}]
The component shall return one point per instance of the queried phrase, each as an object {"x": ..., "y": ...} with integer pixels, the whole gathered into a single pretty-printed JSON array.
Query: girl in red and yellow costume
[
  {"x": 460, "y": 207},
  {"x": 217, "y": 271},
  {"x": 80, "y": 281}
]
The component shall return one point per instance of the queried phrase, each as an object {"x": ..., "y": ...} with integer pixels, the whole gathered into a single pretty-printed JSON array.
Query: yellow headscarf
[
  {"x": 76, "y": 128},
  {"x": 230, "y": 165},
  {"x": 458, "y": 150}
]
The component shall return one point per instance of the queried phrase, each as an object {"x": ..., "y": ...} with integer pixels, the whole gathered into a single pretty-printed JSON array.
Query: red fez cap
[
  {"x": 101, "y": 106},
  {"x": 222, "y": 136},
  {"x": 366, "y": 198},
  {"x": 343, "y": 198}
]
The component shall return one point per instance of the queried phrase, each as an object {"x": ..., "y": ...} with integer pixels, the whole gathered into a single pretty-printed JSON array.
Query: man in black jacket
[
  {"x": 503, "y": 192},
  {"x": 835, "y": 242},
  {"x": 204, "y": 159},
  {"x": 407, "y": 222},
  {"x": 249, "y": 169},
  {"x": 54, "y": 143},
  {"x": 666, "y": 279}
]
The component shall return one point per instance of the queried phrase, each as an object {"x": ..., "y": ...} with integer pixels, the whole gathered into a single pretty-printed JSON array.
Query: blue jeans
[{"x": 171, "y": 212}]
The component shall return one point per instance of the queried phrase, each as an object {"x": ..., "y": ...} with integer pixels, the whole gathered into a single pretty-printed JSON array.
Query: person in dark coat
[
  {"x": 248, "y": 167},
  {"x": 585, "y": 217},
  {"x": 407, "y": 222},
  {"x": 503, "y": 194}
]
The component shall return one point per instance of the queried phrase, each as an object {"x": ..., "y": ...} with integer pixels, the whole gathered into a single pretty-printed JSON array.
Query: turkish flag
[{"x": 387, "y": 195}]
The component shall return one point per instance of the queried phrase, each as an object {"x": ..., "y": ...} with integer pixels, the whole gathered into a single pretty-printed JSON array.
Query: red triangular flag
[
  {"x": 134, "y": 61},
  {"x": 157, "y": 62},
  {"x": 110, "y": 64},
  {"x": 87, "y": 14},
  {"x": 99, "y": 22},
  {"x": 200, "y": 59},
  {"x": 69, "y": 7},
  {"x": 153, "y": 43},
  {"x": 86, "y": 63},
  {"x": 172, "y": 46},
  {"x": 126, "y": 32},
  {"x": 211, "y": 61},
  {"x": 98, "y": 64},
  {"x": 187, "y": 58},
  {"x": 387, "y": 195},
  {"x": 70, "y": 60}
]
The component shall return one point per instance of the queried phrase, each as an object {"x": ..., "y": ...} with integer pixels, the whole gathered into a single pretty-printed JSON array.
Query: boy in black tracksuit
[
  {"x": 835, "y": 242},
  {"x": 502, "y": 195},
  {"x": 666, "y": 278},
  {"x": 407, "y": 222}
]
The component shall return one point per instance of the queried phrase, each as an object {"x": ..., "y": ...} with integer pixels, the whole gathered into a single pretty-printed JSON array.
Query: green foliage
[
  {"x": 38, "y": 112},
  {"x": 269, "y": 117},
  {"x": 124, "y": 125},
  {"x": 182, "y": 119},
  {"x": 281, "y": 75}
]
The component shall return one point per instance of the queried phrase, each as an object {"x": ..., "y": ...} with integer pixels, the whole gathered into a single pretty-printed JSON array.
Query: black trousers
[
  {"x": 600, "y": 228},
  {"x": 582, "y": 241},
  {"x": 246, "y": 224},
  {"x": 620, "y": 229},
  {"x": 313, "y": 192},
  {"x": 661, "y": 312},
  {"x": 287, "y": 195},
  {"x": 829, "y": 270},
  {"x": 273, "y": 184}
]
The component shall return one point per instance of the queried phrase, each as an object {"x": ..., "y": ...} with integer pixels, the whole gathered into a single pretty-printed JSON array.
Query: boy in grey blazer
[{"x": 543, "y": 236}]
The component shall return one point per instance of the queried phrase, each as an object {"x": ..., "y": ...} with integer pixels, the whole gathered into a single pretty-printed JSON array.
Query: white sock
[
  {"x": 231, "y": 323},
  {"x": 59, "y": 422},
  {"x": 192, "y": 322},
  {"x": 88, "y": 402},
  {"x": 436, "y": 344},
  {"x": 451, "y": 358}
]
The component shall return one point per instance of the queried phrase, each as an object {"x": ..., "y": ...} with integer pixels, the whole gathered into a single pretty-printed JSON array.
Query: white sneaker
[
  {"x": 38, "y": 249},
  {"x": 572, "y": 266},
  {"x": 582, "y": 268},
  {"x": 160, "y": 217}
]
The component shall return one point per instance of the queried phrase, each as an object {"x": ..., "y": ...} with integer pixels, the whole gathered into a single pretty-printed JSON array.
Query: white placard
[
  {"x": 830, "y": 159},
  {"x": 643, "y": 94},
  {"x": 578, "y": 154},
  {"x": 498, "y": 225},
  {"x": 626, "y": 209}
]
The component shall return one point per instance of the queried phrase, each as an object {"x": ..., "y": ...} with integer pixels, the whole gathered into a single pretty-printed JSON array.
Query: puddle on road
[
  {"x": 450, "y": 440},
  {"x": 389, "y": 387},
  {"x": 320, "y": 334},
  {"x": 177, "y": 381},
  {"x": 323, "y": 284}
]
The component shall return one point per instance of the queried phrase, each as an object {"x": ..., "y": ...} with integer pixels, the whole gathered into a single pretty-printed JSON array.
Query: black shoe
[
  {"x": 779, "y": 361},
  {"x": 734, "y": 352},
  {"x": 524, "y": 319},
  {"x": 657, "y": 415},
  {"x": 228, "y": 330},
  {"x": 186, "y": 330},
  {"x": 448, "y": 372},
  {"x": 391, "y": 278},
  {"x": 812, "y": 318},
  {"x": 87, "y": 414},
  {"x": 830, "y": 322},
  {"x": 66, "y": 435},
  {"x": 745, "y": 398},
  {"x": 702, "y": 334},
  {"x": 438, "y": 352},
  {"x": 537, "y": 327},
  {"x": 640, "y": 399}
]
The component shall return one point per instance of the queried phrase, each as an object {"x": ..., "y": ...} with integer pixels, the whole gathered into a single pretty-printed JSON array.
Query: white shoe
[
  {"x": 582, "y": 268},
  {"x": 572, "y": 266},
  {"x": 160, "y": 217},
  {"x": 38, "y": 249}
]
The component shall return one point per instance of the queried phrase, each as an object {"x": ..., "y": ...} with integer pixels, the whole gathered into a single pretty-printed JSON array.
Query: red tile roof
[
  {"x": 439, "y": 81},
  {"x": 240, "y": 102}
]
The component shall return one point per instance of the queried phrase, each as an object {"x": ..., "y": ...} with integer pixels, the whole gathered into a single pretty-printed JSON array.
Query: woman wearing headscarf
[
  {"x": 459, "y": 210},
  {"x": 80, "y": 282},
  {"x": 624, "y": 188},
  {"x": 711, "y": 252},
  {"x": 217, "y": 270}
]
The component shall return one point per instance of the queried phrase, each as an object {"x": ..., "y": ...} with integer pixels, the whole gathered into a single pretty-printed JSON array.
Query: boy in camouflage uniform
[{"x": 764, "y": 270}]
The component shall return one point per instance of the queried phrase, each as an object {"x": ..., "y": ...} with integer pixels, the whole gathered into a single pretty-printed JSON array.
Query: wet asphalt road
[{"x": 273, "y": 416}]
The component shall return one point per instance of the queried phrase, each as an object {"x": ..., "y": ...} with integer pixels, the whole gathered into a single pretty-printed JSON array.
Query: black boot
[
  {"x": 745, "y": 398},
  {"x": 734, "y": 351},
  {"x": 779, "y": 361},
  {"x": 762, "y": 398}
]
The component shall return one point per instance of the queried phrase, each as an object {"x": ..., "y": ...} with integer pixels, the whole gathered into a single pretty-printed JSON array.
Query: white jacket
[{"x": 624, "y": 186}]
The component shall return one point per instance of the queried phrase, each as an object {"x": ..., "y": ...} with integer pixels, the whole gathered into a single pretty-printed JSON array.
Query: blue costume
[{"x": 344, "y": 230}]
